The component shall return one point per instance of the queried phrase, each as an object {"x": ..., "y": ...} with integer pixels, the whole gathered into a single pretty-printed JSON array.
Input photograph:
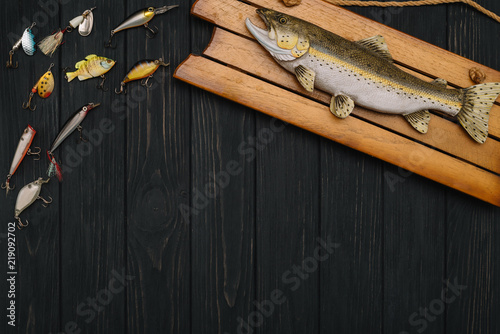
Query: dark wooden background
[{"x": 401, "y": 236}]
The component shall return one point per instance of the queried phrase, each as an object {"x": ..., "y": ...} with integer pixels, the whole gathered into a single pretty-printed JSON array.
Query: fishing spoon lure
[
  {"x": 139, "y": 18},
  {"x": 142, "y": 69},
  {"x": 44, "y": 87},
  {"x": 27, "y": 196},
  {"x": 23, "y": 149},
  {"x": 72, "y": 124},
  {"x": 27, "y": 41},
  {"x": 83, "y": 22}
]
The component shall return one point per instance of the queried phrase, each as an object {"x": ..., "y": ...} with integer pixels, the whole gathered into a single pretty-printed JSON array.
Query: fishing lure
[
  {"x": 364, "y": 73},
  {"x": 84, "y": 22},
  {"x": 92, "y": 67},
  {"x": 142, "y": 69},
  {"x": 44, "y": 87},
  {"x": 27, "y": 196},
  {"x": 23, "y": 149},
  {"x": 72, "y": 124},
  {"x": 27, "y": 41},
  {"x": 139, "y": 18}
]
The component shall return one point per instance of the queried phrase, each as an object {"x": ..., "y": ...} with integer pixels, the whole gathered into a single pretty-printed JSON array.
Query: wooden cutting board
[{"x": 236, "y": 67}]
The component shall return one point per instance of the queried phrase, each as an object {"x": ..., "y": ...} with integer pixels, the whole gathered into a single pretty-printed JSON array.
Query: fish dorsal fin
[
  {"x": 341, "y": 106},
  {"x": 378, "y": 45},
  {"x": 440, "y": 82},
  {"x": 419, "y": 120},
  {"x": 306, "y": 77},
  {"x": 90, "y": 57},
  {"x": 80, "y": 63}
]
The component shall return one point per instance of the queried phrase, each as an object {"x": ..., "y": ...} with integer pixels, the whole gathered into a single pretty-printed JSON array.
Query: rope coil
[{"x": 413, "y": 4}]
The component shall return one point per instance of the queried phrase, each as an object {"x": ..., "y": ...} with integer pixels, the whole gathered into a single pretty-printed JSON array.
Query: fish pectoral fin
[
  {"x": 378, "y": 45},
  {"x": 306, "y": 77},
  {"x": 419, "y": 120},
  {"x": 341, "y": 106},
  {"x": 440, "y": 82}
]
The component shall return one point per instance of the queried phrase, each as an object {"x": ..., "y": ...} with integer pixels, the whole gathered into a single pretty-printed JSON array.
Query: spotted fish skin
[
  {"x": 93, "y": 66},
  {"x": 363, "y": 73}
]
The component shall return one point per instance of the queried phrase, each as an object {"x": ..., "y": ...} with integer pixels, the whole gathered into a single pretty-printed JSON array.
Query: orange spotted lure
[{"x": 44, "y": 87}]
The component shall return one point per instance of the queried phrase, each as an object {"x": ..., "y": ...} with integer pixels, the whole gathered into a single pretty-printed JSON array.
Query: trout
[{"x": 363, "y": 72}]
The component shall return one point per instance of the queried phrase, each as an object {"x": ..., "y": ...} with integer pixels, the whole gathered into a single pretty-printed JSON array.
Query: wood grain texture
[
  {"x": 93, "y": 234},
  {"x": 222, "y": 210},
  {"x": 157, "y": 178}
]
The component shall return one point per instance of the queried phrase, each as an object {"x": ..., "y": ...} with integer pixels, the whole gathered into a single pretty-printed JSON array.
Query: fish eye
[
  {"x": 84, "y": 108},
  {"x": 151, "y": 9},
  {"x": 283, "y": 20}
]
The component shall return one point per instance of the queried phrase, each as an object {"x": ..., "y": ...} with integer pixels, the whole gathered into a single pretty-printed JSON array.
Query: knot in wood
[
  {"x": 290, "y": 3},
  {"x": 476, "y": 75}
]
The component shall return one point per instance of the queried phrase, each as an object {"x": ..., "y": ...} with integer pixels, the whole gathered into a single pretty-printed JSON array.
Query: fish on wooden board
[{"x": 363, "y": 72}]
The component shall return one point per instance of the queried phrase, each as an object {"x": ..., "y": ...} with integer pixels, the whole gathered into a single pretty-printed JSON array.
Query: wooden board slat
[
  {"x": 443, "y": 134},
  {"x": 424, "y": 57},
  {"x": 352, "y": 132}
]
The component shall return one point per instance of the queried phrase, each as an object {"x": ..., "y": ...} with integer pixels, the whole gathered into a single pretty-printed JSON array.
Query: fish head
[
  {"x": 88, "y": 107},
  {"x": 285, "y": 37},
  {"x": 107, "y": 63}
]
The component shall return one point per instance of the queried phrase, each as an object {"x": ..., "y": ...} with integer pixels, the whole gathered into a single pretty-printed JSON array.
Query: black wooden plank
[
  {"x": 37, "y": 284},
  {"x": 414, "y": 215},
  {"x": 473, "y": 254},
  {"x": 222, "y": 218},
  {"x": 92, "y": 193},
  {"x": 158, "y": 125},
  {"x": 287, "y": 194},
  {"x": 351, "y": 215}
]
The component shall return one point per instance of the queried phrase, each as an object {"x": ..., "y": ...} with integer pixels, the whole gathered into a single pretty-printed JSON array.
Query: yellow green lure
[
  {"x": 142, "y": 69},
  {"x": 92, "y": 67}
]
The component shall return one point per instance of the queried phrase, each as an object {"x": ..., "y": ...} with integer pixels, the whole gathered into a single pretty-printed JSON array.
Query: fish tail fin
[
  {"x": 475, "y": 112},
  {"x": 54, "y": 168},
  {"x": 71, "y": 76}
]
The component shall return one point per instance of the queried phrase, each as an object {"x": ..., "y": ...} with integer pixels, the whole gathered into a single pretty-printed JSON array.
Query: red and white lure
[
  {"x": 83, "y": 22},
  {"x": 44, "y": 87},
  {"x": 23, "y": 149}
]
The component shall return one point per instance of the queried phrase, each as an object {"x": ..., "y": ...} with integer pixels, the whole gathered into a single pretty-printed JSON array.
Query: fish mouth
[
  {"x": 267, "y": 38},
  {"x": 164, "y": 9}
]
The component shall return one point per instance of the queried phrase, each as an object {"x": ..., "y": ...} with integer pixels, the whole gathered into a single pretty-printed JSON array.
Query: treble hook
[
  {"x": 108, "y": 44},
  {"x": 122, "y": 89},
  {"x": 45, "y": 201},
  {"x": 65, "y": 70},
  {"x": 80, "y": 129},
  {"x": 27, "y": 105},
  {"x": 20, "y": 224},
  {"x": 101, "y": 85},
  {"x": 10, "y": 64},
  {"x": 30, "y": 152},
  {"x": 145, "y": 83},
  {"x": 7, "y": 186},
  {"x": 154, "y": 32}
]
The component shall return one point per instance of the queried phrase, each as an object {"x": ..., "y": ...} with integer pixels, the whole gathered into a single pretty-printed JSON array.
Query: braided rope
[{"x": 412, "y": 4}]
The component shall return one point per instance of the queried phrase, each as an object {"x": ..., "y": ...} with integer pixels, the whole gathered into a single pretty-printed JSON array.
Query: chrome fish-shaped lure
[
  {"x": 27, "y": 41},
  {"x": 72, "y": 124},
  {"x": 363, "y": 72},
  {"x": 93, "y": 66},
  {"x": 27, "y": 196},
  {"x": 22, "y": 150},
  {"x": 142, "y": 69},
  {"x": 139, "y": 18},
  {"x": 44, "y": 87}
]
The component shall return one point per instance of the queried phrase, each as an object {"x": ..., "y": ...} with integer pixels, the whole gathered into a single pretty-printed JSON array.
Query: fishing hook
[
  {"x": 45, "y": 201},
  {"x": 65, "y": 71},
  {"x": 10, "y": 64},
  {"x": 122, "y": 89},
  {"x": 80, "y": 129},
  {"x": 101, "y": 85},
  {"x": 108, "y": 44},
  {"x": 145, "y": 83},
  {"x": 154, "y": 32},
  {"x": 30, "y": 152},
  {"x": 7, "y": 186},
  {"x": 27, "y": 105},
  {"x": 20, "y": 224}
]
